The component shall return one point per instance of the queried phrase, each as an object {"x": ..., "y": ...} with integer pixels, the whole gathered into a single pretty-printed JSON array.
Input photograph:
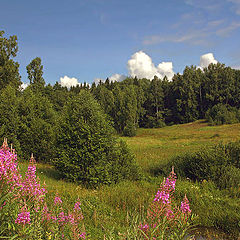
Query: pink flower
[
  {"x": 144, "y": 227},
  {"x": 57, "y": 200},
  {"x": 162, "y": 195},
  {"x": 23, "y": 218},
  {"x": 170, "y": 183},
  {"x": 82, "y": 235},
  {"x": 71, "y": 219},
  {"x": 77, "y": 206},
  {"x": 185, "y": 205},
  {"x": 62, "y": 218},
  {"x": 169, "y": 214}
]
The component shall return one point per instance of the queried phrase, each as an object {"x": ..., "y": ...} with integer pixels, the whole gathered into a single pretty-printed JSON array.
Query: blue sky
[{"x": 89, "y": 39}]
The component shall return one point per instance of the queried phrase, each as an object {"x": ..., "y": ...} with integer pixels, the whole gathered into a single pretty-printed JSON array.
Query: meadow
[{"x": 110, "y": 211}]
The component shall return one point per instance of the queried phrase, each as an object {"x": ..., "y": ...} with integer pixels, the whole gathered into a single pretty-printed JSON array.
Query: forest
[
  {"x": 29, "y": 118},
  {"x": 80, "y": 130}
]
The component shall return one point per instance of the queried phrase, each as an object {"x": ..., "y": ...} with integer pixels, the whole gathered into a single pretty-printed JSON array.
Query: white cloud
[
  {"x": 209, "y": 5},
  {"x": 166, "y": 69},
  {"x": 141, "y": 66},
  {"x": 114, "y": 78},
  {"x": 117, "y": 78},
  {"x": 195, "y": 37},
  {"x": 97, "y": 80},
  {"x": 68, "y": 82},
  {"x": 215, "y": 23},
  {"x": 207, "y": 59},
  {"x": 23, "y": 86}
]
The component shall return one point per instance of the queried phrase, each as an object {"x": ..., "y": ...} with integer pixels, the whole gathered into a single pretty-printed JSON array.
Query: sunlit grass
[{"x": 156, "y": 146}]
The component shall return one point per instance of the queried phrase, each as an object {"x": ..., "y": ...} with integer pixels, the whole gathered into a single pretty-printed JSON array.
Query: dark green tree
[
  {"x": 10, "y": 122},
  {"x": 9, "y": 69},
  {"x": 186, "y": 90},
  {"x": 38, "y": 121},
  {"x": 86, "y": 150},
  {"x": 155, "y": 103},
  {"x": 219, "y": 85},
  {"x": 35, "y": 73}
]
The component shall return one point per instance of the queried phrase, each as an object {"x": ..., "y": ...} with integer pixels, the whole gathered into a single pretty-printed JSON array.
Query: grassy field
[
  {"x": 109, "y": 210},
  {"x": 154, "y": 146}
]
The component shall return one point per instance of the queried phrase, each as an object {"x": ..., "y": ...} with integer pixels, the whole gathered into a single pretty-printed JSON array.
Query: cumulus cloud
[
  {"x": 141, "y": 66},
  {"x": 117, "y": 78},
  {"x": 97, "y": 80},
  {"x": 206, "y": 59},
  {"x": 68, "y": 82},
  {"x": 114, "y": 78},
  {"x": 166, "y": 69},
  {"x": 23, "y": 86}
]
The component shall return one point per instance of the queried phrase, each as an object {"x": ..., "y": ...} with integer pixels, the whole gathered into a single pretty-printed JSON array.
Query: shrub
[
  {"x": 86, "y": 149},
  {"x": 219, "y": 164},
  {"x": 222, "y": 114},
  {"x": 130, "y": 130},
  {"x": 153, "y": 122}
]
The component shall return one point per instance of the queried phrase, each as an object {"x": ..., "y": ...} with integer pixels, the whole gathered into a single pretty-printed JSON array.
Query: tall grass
[{"x": 108, "y": 209}]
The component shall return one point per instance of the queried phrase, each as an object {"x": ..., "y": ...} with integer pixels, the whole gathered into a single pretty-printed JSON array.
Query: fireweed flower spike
[
  {"x": 77, "y": 206},
  {"x": 23, "y": 218},
  {"x": 163, "y": 215},
  {"x": 57, "y": 200},
  {"x": 185, "y": 208}
]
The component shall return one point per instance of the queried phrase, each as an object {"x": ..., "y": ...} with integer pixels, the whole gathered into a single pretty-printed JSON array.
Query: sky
[{"x": 87, "y": 40}]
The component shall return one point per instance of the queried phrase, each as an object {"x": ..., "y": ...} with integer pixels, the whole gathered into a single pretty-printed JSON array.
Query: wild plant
[
  {"x": 165, "y": 220},
  {"x": 24, "y": 213}
]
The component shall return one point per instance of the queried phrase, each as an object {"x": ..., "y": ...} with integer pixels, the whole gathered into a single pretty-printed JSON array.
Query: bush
[
  {"x": 222, "y": 114},
  {"x": 219, "y": 164},
  {"x": 153, "y": 122},
  {"x": 86, "y": 149},
  {"x": 130, "y": 130}
]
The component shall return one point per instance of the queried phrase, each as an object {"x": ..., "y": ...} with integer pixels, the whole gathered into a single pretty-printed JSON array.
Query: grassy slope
[
  {"x": 106, "y": 209},
  {"x": 154, "y": 146}
]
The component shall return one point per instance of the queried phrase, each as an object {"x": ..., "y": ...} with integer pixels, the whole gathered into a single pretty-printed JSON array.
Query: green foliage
[
  {"x": 215, "y": 208},
  {"x": 130, "y": 130},
  {"x": 9, "y": 73},
  {"x": 10, "y": 120},
  {"x": 113, "y": 210},
  {"x": 86, "y": 150},
  {"x": 219, "y": 164},
  {"x": 222, "y": 114},
  {"x": 35, "y": 72},
  {"x": 37, "y": 128}
]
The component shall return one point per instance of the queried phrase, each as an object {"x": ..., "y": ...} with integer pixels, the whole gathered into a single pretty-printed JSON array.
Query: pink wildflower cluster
[
  {"x": 57, "y": 200},
  {"x": 23, "y": 218},
  {"x": 29, "y": 196},
  {"x": 9, "y": 174},
  {"x": 185, "y": 208},
  {"x": 31, "y": 185},
  {"x": 162, "y": 210},
  {"x": 77, "y": 206},
  {"x": 73, "y": 219},
  {"x": 166, "y": 189}
]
